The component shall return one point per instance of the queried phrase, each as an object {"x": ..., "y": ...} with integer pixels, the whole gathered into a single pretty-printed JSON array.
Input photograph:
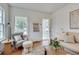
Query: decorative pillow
[
  {"x": 69, "y": 39},
  {"x": 61, "y": 36},
  {"x": 17, "y": 37},
  {"x": 77, "y": 38}
]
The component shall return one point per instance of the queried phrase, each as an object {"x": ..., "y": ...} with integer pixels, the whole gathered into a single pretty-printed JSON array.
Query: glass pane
[
  {"x": 1, "y": 32},
  {"x": 1, "y": 27},
  {"x": 0, "y": 13},
  {"x": 0, "y": 20},
  {"x": 20, "y": 24},
  {"x": 1, "y": 35}
]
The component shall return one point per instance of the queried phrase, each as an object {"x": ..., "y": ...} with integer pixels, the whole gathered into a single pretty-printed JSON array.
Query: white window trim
[{"x": 3, "y": 23}]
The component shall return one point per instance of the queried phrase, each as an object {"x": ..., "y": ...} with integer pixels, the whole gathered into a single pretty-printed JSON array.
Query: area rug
[{"x": 36, "y": 51}]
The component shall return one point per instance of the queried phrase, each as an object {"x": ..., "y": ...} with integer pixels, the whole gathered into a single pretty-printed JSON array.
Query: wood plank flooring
[{"x": 37, "y": 44}]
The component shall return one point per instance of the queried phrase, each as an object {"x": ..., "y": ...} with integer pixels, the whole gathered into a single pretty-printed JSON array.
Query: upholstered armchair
[{"x": 17, "y": 39}]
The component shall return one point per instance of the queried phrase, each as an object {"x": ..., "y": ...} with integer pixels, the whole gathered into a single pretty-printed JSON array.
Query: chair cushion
[
  {"x": 20, "y": 42},
  {"x": 27, "y": 44}
]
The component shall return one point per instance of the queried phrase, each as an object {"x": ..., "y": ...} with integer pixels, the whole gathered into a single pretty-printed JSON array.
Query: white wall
[
  {"x": 61, "y": 19},
  {"x": 32, "y": 18}
]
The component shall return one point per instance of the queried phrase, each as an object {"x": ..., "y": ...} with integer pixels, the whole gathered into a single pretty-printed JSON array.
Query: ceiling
[{"x": 40, "y": 7}]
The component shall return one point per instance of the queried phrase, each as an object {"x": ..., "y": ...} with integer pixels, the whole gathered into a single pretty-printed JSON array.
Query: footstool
[{"x": 27, "y": 47}]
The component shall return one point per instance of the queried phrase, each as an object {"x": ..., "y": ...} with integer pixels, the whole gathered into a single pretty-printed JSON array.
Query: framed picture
[
  {"x": 35, "y": 27},
  {"x": 74, "y": 19}
]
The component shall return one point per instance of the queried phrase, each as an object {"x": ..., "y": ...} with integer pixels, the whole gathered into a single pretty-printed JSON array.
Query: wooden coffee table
[{"x": 51, "y": 51}]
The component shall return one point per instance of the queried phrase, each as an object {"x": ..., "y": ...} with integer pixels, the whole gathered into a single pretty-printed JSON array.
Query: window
[
  {"x": 1, "y": 25},
  {"x": 21, "y": 24}
]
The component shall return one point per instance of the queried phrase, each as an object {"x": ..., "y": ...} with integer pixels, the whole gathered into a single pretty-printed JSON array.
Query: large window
[
  {"x": 21, "y": 24},
  {"x": 1, "y": 25}
]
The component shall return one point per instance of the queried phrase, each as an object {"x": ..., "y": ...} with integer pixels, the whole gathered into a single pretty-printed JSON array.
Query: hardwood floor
[
  {"x": 37, "y": 44},
  {"x": 19, "y": 51}
]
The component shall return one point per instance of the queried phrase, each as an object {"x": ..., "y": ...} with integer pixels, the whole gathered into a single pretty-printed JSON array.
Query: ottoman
[{"x": 27, "y": 47}]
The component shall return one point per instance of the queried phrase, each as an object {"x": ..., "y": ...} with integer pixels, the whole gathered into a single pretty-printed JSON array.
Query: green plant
[{"x": 55, "y": 43}]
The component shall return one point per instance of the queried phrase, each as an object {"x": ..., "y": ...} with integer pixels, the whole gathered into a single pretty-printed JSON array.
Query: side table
[{"x": 7, "y": 47}]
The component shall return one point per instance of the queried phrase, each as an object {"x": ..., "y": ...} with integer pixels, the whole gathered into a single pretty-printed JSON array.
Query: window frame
[
  {"x": 2, "y": 24},
  {"x": 15, "y": 31}
]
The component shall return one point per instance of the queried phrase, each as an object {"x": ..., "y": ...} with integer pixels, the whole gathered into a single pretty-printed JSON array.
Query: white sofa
[{"x": 70, "y": 42}]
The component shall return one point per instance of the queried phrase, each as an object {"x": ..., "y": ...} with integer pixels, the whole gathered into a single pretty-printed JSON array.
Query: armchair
[{"x": 17, "y": 39}]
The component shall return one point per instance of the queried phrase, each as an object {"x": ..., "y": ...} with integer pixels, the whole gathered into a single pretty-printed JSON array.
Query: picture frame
[
  {"x": 36, "y": 27},
  {"x": 74, "y": 19}
]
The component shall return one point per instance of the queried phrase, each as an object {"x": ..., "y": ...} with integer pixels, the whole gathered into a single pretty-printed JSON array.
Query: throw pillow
[
  {"x": 77, "y": 38},
  {"x": 69, "y": 39},
  {"x": 61, "y": 36},
  {"x": 18, "y": 37}
]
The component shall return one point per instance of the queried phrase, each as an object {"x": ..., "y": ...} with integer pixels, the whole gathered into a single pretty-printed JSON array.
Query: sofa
[{"x": 70, "y": 42}]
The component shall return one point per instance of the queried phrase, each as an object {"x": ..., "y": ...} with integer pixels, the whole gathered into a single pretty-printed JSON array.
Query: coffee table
[{"x": 51, "y": 51}]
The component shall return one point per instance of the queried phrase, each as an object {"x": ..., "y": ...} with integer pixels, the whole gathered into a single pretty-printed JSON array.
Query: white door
[{"x": 45, "y": 31}]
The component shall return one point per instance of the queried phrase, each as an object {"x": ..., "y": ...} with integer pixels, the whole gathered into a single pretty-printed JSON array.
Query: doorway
[{"x": 45, "y": 32}]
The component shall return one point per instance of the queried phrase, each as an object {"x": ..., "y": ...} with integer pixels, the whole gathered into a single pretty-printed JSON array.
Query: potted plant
[{"x": 55, "y": 44}]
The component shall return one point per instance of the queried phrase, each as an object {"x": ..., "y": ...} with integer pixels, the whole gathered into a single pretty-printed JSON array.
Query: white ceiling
[{"x": 40, "y": 7}]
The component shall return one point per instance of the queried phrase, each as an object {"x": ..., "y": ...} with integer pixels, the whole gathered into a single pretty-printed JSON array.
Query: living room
[{"x": 39, "y": 26}]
